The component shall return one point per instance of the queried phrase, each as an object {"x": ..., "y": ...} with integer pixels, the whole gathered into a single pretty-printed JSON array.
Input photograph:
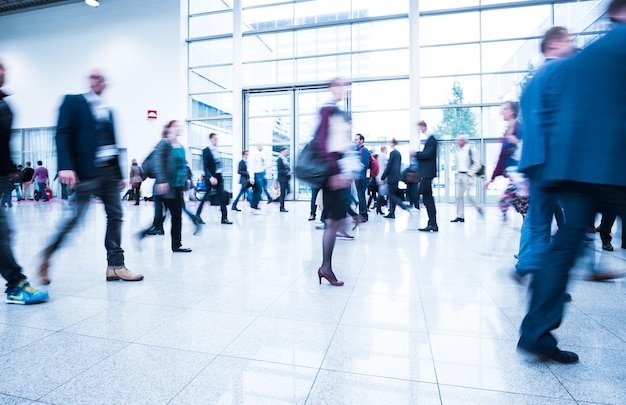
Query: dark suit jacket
[
  {"x": 283, "y": 171},
  {"x": 539, "y": 104},
  {"x": 428, "y": 158},
  {"x": 392, "y": 170},
  {"x": 244, "y": 176},
  {"x": 209, "y": 164},
  {"x": 589, "y": 142},
  {"x": 6, "y": 120},
  {"x": 76, "y": 138}
]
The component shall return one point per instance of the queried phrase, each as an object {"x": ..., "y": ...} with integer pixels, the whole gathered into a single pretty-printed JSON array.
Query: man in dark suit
[
  {"x": 244, "y": 178},
  {"x": 212, "y": 159},
  {"x": 88, "y": 162},
  {"x": 585, "y": 160},
  {"x": 19, "y": 290},
  {"x": 284, "y": 176},
  {"x": 427, "y": 159},
  {"x": 391, "y": 176}
]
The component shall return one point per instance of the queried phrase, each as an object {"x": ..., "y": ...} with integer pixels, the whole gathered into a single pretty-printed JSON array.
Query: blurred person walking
[
  {"x": 391, "y": 177},
  {"x": 27, "y": 182},
  {"x": 88, "y": 162},
  {"x": 170, "y": 173},
  {"x": 588, "y": 177},
  {"x": 135, "y": 178},
  {"x": 244, "y": 179},
  {"x": 362, "y": 181},
  {"x": 284, "y": 176},
  {"x": 42, "y": 179},
  {"x": 427, "y": 160},
  {"x": 467, "y": 165},
  {"x": 18, "y": 289},
  {"x": 212, "y": 160}
]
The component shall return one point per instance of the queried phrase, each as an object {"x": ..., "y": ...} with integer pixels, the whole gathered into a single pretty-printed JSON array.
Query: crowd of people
[{"x": 568, "y": 168}]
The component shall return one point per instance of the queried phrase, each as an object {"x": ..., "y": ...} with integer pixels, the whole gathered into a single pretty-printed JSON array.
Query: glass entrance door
[{"x": 283, "y": 118}]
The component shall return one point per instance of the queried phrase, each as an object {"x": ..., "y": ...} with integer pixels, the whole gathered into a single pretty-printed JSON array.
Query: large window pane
[
  {"x": 432, "y": 5},
  {"x": 212, "y": 105},
  {"x": 438, "y": 91},
  {"x": 382, "y": 63},
  {"x": 323, "y": 69},
  {"x": 269, "y": 105},
  {"x": 211, "y": 24},
  {"x": 267, "y": 73},
  {"x": 449, "y": 29},
  {"x": 312, "y": 12},
  {"x": 267, "y": 47},
  {"x": 518, "y": 22},
  {"x": 376, "y": 35},
  {"x": 323, "y": 41},
  {"x": 204, "y": 6},
  {"x": 450, "y": 60},
  {"x": 382, "y": 95},
  {"x": 382, "y": 125},
  {"x": 210, "y": 79},
  {"x": 267, "y": 18},
  {"x": 502, "y": 86},
  {"x": 213, "y": 52},
  {"x": 375, "y": 8},
  {"x": 510, "y": 55},
  {"x": 579, "y": 16}
]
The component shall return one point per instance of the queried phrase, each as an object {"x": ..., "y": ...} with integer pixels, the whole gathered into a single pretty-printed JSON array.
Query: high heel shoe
[
  {"x": 312, "y": 217},
  {"x": 331, "y": 278}
]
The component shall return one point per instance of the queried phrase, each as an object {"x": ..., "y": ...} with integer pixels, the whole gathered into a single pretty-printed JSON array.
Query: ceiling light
[{"x": 92, "y": 3}]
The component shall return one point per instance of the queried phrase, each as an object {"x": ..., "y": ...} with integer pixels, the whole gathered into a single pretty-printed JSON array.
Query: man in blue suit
[
  {"x": 539, "y": 105},
  {"x": 88, "y": 162},
  {"x": 585, "y": 160}
]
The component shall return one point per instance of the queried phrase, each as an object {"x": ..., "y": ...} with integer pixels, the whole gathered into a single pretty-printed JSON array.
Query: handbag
[
  {"x": 481, "y": 171},
  {"x": 311, "y": 168},
  {"x": 148, "y": 165}
]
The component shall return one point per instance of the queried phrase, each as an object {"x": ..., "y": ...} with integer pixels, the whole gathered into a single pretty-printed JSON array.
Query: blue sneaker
[{"x": 23, "y": 293}]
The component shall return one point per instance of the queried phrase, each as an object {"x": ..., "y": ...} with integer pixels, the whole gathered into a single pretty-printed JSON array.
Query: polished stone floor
[{"x": 422, "y": 318}]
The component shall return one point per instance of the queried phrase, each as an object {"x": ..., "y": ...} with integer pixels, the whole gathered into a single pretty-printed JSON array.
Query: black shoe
[
  {"x": 567, "y": 297},
  {"x": 430, "y": 228},
  {"x": 457, "y": 219},
  {"x": 558, "y": 356},
  {"x": 182, "y": 250},
  {"x": 312, "y": 217},
  {"x": 235, "y": 209},
  {"x": 225, "y": 221},
  {"x": 199, "y": 220},
  {"x": 392, "y": 216},
  {"x": 607, "y": 246},
  {"x": 283, "y": 210},
  {"x": 155, "y": 231}
]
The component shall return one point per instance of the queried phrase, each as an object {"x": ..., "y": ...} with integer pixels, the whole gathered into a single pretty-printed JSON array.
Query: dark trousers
[
  {"x": 606, "y": 224},
  {"x": 42, "y": 191},
  {"x": 105, "y": 186},
  {"x": 10, "y": 270},
  {"x": 545, "y": 312},
  {"x": 426, "y": 190},
  {"x": 284, "y": 189},
  {"x": 219, "y": 189},
  {"x": 393, "y": 198},
  {"x": 314, "y": 193},
  {"x": 244, "y": 187},
  {"x": 136, "y": 188},
  {"x": 175, "y": 206},
  {"x": 361, "y": 187}
]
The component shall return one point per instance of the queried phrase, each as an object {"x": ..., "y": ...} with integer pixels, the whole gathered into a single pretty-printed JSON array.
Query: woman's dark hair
[
  {"x": 167, "y": 127},
  {"x": 514, "y": 106}
]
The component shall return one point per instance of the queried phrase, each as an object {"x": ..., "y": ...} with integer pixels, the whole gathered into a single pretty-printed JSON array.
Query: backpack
[{"x": 374, "y": 167}]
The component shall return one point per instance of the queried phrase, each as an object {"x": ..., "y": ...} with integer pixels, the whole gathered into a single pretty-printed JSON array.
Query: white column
[
  {"x": 414, "y": 74},
  {"x": 237, "y": 92}
]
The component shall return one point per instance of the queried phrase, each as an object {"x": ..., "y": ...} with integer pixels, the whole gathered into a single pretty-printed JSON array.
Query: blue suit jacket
[
  {"x": 428, "y": 158},
  {"x": 76, "y": 138},
  {"x": 540, "y": 103},
  {"x": 589, "y": 142}
]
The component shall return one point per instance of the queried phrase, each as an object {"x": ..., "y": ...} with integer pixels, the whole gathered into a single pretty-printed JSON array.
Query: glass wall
[{"x": 473, "y": 55}]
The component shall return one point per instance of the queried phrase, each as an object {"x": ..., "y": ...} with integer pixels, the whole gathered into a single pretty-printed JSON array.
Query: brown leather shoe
[{"x": 122, "y": 273}]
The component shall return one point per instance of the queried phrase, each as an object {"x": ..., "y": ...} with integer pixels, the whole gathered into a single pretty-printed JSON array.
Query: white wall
[{"x": 139, "y": 44}]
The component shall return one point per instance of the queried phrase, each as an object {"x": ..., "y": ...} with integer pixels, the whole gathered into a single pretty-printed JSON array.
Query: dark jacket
[
  {"x": 244, "y": 176},
  {"x": 364, "y": 156},
  {"x": 6, "y": 121},
  {"x": 284, "y": 171},
  {"x": 428, "y": 158},
  {"x": 320, "y": 139},
  {"x": 209, "y": 163},
  {"x": 392, "y": 170},
  {"x": 589, "y": 142},
  {"x": 76, "y": 138},
  {"x": 164, "y": 166}
]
